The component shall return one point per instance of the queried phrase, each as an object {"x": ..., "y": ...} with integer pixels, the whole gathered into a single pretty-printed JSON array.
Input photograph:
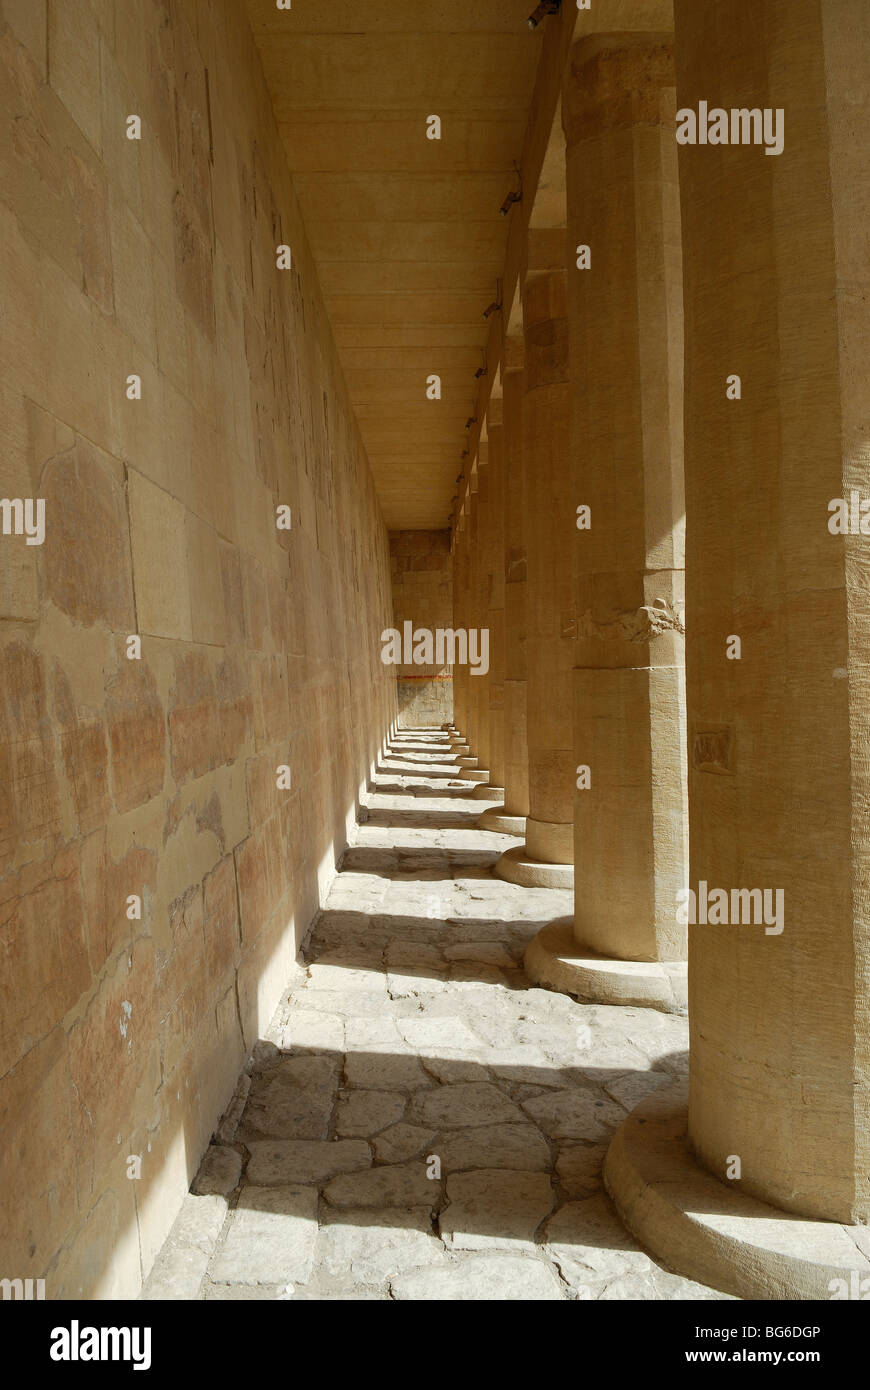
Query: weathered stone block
[
  {"x": 207, "y": 618},
  {"x": 44, "y": 957},
  {"x": 37, "y": 1180},
  {"x": 193, "y": 717},
  {"x": 87, "y": 552},
  {"x": 28, "y": 20},
  {"x": 85, "y": 753},
  {"x": 114, "y": 1063},
  {"x": 74, "y": 58},
  {"x": 106, "y": 886},
  {"x": 220, "y": 919},
  {"x": 137, "y": 734},
  {"x": 158, "y": 537}
]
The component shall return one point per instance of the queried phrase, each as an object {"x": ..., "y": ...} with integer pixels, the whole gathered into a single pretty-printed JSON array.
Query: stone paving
[{"x": 419, "y": 1123}]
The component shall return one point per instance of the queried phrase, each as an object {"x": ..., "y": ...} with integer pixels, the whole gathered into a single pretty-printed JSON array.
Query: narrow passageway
[{"x": 420, "y": 1123}]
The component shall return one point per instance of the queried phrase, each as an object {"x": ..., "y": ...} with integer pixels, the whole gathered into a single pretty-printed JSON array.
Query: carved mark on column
[
  {"x": 634, "y": 624},
  {"x": 713, "y": 748}
]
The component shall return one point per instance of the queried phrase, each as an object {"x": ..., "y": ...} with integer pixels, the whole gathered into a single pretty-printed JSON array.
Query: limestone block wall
[
  {"x": 422, "y": 578},
  {"x": 155, "y": 881}
]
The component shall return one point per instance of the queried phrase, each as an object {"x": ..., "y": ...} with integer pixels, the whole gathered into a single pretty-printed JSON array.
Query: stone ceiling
[{"x": 405, "y": 230}]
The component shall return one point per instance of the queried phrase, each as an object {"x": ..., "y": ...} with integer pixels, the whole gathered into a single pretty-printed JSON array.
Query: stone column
[
  {"x": 768, "y": 1193},
  {"x": 492, "y": 558},
  {"x": 467, "y": 616},
  {"x": 472, "y": 733},
  {"x": 480, "y": 680},
  {"x": 511, "y": 819},
  {"x": 460, "y": 598},
  {"x": 468, "y": 756},
  {"x": 546, "y": 858},
  {"x": 623, "y": 944}
]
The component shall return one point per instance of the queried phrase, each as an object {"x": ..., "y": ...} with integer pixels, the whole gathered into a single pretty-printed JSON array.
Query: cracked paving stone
[
  {"x": 494, "y": 1146},
  {"x": 295, "y": 1103},
  {"x": 464, "y": 1103},
  {"x": 467, "y": 977},
  {"x": 484, "y": 952},
  {"x": 368, "y": 1112},
  {"x": 629, "y": 1091},
  {"x": 458, "y": 1067},
  {"x": 421, "y": 982},
  {"x": 415, "y": 954},
  {"x": 274, "y": 1163},
  {"x": 587, "y": 1240},
  {"x": 382, "y": 1071},
  {"x": 359, "y": 1003},
  {"x": 370, "y": 1247},
  {"x": 366, "y": 959},
  {"x": 271, "y": 1238},
  {"x": 401, "y": 1142},
  {"x": 374, "y": 1035},
  {"x": 658, "y": 1284},
  {"x": 482, "y": 1277},
  {"x": 399, "y": 1185},
  {"x": 309, "y": 1029},
  {"x": 493, "y": 1208},
  {"x": 219, "y": 1172},
  {"x": 578, "y": 1168},
  {"x": 350, "y": 978},
  {"x": 522, "y": 1063},
  {"x": 575, "y": 1114},
  {"x": 432, "y": 1033},
  {"x": 242, "y": 1293}
]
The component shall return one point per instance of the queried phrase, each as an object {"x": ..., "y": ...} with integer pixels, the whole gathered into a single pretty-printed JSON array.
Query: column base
[
  {"x": 487, "y": 792},
  {"x": 516, "y": 866},
  {"x": 497, "y": 821},
  {"x": 554, "y": 959},
  {"x": 711, "y": 1232}
]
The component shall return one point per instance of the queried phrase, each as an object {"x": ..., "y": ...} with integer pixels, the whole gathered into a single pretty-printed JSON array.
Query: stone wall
[
  {"x": 154, "y": 778},
  {"x": 422, "y": 576}
]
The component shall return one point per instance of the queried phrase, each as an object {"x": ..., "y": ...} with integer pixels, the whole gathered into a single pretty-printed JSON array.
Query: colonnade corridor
[
  {"x": 435, "y": 666},
  {"x": 417, "y": 1122}
]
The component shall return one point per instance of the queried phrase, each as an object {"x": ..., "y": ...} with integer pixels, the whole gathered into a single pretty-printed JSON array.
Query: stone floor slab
[
  {"x": 412, "y": 1035},
  {"x": 491, "y": 1208},
  {"x": 271, "y": 1237}
]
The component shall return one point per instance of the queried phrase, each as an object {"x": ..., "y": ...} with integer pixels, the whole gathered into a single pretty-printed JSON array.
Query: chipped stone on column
[
  {"x": 777, "y": 283},
  {"x": 624, "y": 944}
]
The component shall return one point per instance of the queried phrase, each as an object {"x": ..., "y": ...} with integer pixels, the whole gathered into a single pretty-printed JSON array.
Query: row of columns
[{"x": 612, "y": 764}]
